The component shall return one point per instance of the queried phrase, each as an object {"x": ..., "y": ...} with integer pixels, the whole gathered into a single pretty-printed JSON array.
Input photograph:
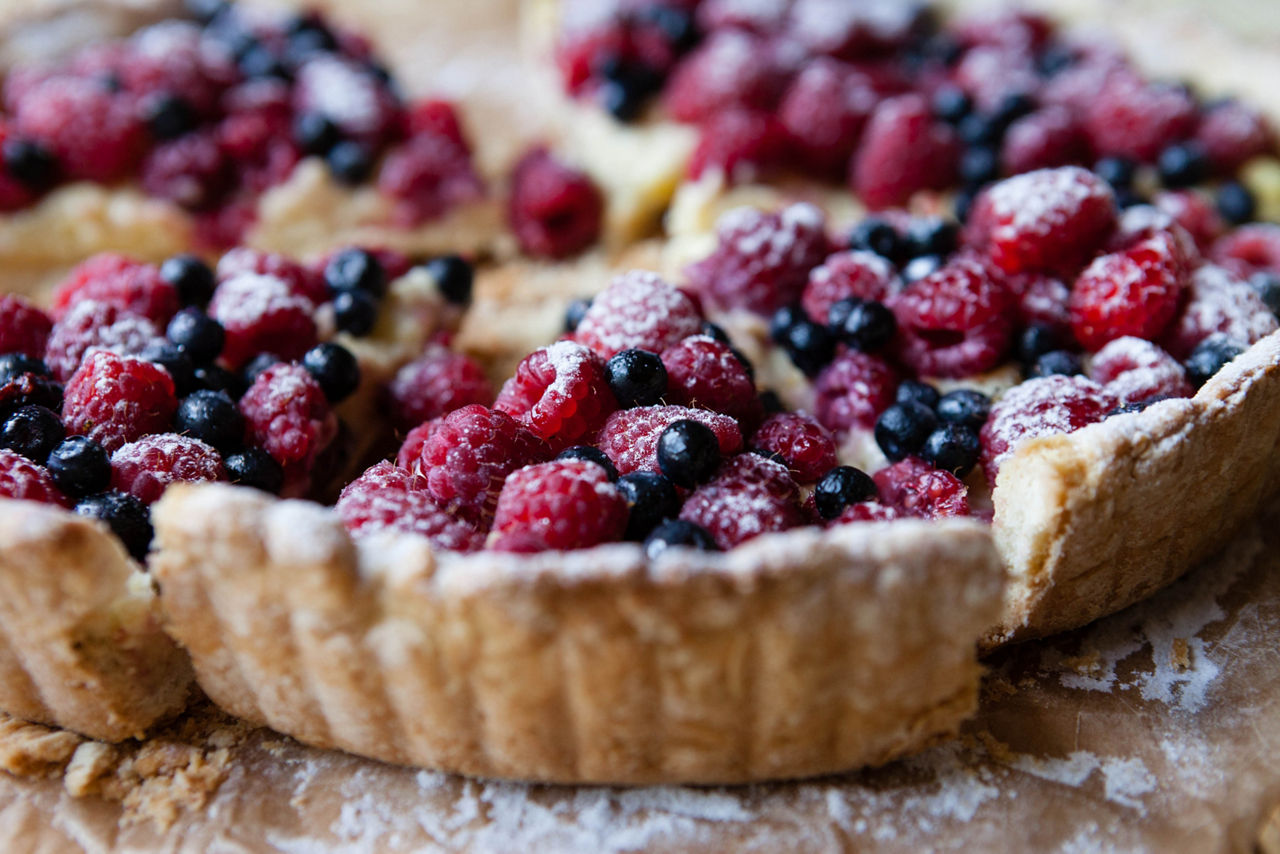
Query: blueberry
[
  {"x": 1136, "y": 405},
  {"x": 257, "y": 365},
  {"x": 173, "y": 359},
  {"x": 574, "y": 313},
  {"x": 1034, "y": 341},
  {"x": 169, "y": 116},
  {"x": 1054, "y": 59},
  {"x": 979, "y": 165},
  {"x": 308, "y": 34},
  {"x": 1062, "y": 362},
  {"x": 932, "y": 236},
  {"x": 355, "y": 312},
  {"x": 902, "y": 428},
  {"x": 688, "y": 453},
  {"x": 771, "y": 402},
  {"x": 636, "y": 377},
  {"x": 951, "y": 104},
  {"x": 677, "y": 532},
  {"x": 256, "y": 468},
  {"x": 30, "y": 163},
  {"x": 864, "y": 325},
  {"x": 126, "y": 516},
  {"x": 953, "y": 448},
  {"x": 335, "y": 368},
  {"x": 624, "y": 97},
  {"x": 16, "y": 364},
  {"x": 962, "y": 203},
  {"x": 258, "y": 60},
  {"x": 1182, "y": 165},
  {"x": 919, "y": 267},
  {"x": 674, "y": 23},
  {"x": 314, "y": 133},
  {"x": 197, "y": 333},
  {"x": 355, "y": 270},
  {"x": 810, "y": 346},
  {"x": 211, "y": 417},
  {"x": 32, "y": 431},
  {"x": 977, "y": 129},
  {"x": 1129, "y": 198},
  {"x": 79, "y": 466},
  {"x": 1236, "y": 204},
  {"x": 591, "y": 455},
  {"x": 205, "y": 11},
  {"x": 191, "y": 277},
  {"x": 841, "y": 487},
  {"x": 350, "y": 162},
  {"x": 1210, "y": 356},
  {"x": 1266, "y": 284},
  {"x": 652, "y": 498},
  {"x": 218, "y": 378},
  {"x": 454, "y": 277},
  {"x": 29, "y": 389},
  {"x": 783, "y": 319},
  {"x": 1012, "y": 107},
  {"x": 878, "y": 236},
  {"x": 914, "y": 391},
  {"x": 1116, "y": 171},
  {"x": 964, "y": 406},
  {"x": 715, "y": 331}
]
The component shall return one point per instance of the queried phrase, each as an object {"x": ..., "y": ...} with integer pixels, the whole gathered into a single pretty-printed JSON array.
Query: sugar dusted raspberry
[
  {"x": 565, "y": 504},
  {"x": 1134, "y": 292},
  {"x": 260, "y": 314},
  {"x": 867, "y": 511},
  {"x": 144, "y": 468},
  {"x": 560, "y": 393},
  {"x": 706, "y": 373},
  {"x": 301, "y": 280},
  {"x": 1041, "y": 300},
  {"x": 1040, "y": 407},
  {"x": 427, "y": 176},
  {"x": 860, "y": 274},
  {"x": 192, "y": 172},
  {"x": 95, "y": 133},
  {"x": 437, "y": 382},
  {"x": 287, "y": 415},
  {"x": 411, "y": 448},
  {"x": 807, "y": 446},
  {"x": 744, "y": 145},
  {"x": 1231, "y": 133},
  {"x": 851, "y": 30},
  {"x": 554, "y": 210},
  {"x": 630, "y": 436},
  {"x": 1136, "y": 119},
  {"x": 1005, "y": 28},
  {"x": 1251, "y": 248},
  {"x": 733, "y": 515},
  {"x": 116, "y": 399},
  {"x": 852, "y": 391},
  {"x": 436, "y": 117},
  {"x": 1218, "y": 301},
  {"x": 763, "y": 259},
  {"x": 638, "y": 310},
  {"x": 131, "y": 286},
  {"x": 387, "y": 498},
  {"x": 1195, "y": 212},
  {"x": 903, "y": 150},
  {"x": 824, "y": 111},
  {"x": 91, "y": 326},
  {"x": 1051, "y": 219},
  {"x": 1044, "y": 139},
  {"x": 766, "y": 16},
  {"x": 730, "y": 69},
  {"x": 23, "y": 327},
  {"x": 915, "y": 488},
  {"x": 348, "y": 95},
  {"x": 173, "y": 57},
  {"x": 990, "y": 74},
  {"x": 21, "y": 478},
  {"x": 1134, "y": 370},
  {"x": 582, "y": 50},
  {"x": 753, "y": 471}
]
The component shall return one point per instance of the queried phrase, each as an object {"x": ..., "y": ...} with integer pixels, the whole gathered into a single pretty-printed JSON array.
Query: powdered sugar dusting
[
  {"x": 1134, "y": 369},
  {"x": 1220, "y": 302},
  {"x": 245, "y": 297},
  {"x": 1041, "y": 201},
  {"x": 639, "y": 309}
]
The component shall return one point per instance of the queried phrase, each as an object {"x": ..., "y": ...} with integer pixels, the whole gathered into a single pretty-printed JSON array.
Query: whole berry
[
  {"x": 1134, "y": 292},
  {"x": 33, "y": 165},
  {"x": 590, "y": 454},
  {"x": 191, "y": 277},
  {"x": 1210, "y": 356},
  {"x": 1236, "y": 203},
  {"x": 677, "y": 533},
  {"x": 350, "y": 162},
  {"x": 573, "y": 314},
  {"x": 856, "y": 274},
  {"x": 174, "y": 360},
  {"x": 454, "y": 276},
  {"x": 211, "y": 417},
  {"x": 564, "y": 504},
  {"x": 640, "y": 310},
  {"x": 145, "y": 468},
  {"x": 964, "y": 406},
  {"x": 116, "y": 399},
  {"x": 117, "y": 280},
  {"x": 437, "y": 382},
  {"x": 1182, "y": 165},
  {"x": 732, "y": 515},
  {"x": 198, "y": 334},
  {"x": 630, "y": 436},
  {"x": 314, "y": 133},
  {"x": 335, "y": 368},
  {"x": 561, "y": 393},
  {"x": 23, "y": 479},
  {"x": 33, "y": 431},
  {"x": 1056, "y": 362},
  {"x": 810, "y": 346},
  {"x": 1036, "y": 340},
  {"x": 126, "y": 516},
  {"x": 652, "y": 499},
  {"x": 903, "y": 149},
  {"x": 255, "y": 468},
  {"x": 706, "y": 373},
  {"x": 953, "y": 448},
  {"x": 853, "y": 391},
  {"x": 902, "y": 429},
  {"x": 807, "y": 447},
  {"x": 260, "y": 313},
  {"x": 636, "y": 377},
  {"x": 1134, "y": 370},
  {"x": 1116, "y": 171},
  {"x": 1040, "y": 407},
  {"x": 914, "y": 391},
  {"x": 688, "y": 453},
  {"x": 915, "y": 488},
  {"x": 24, "y": 329},
  {"x": 387, "y": 498},
  {"x": 79, "y": 466},
  {"x": 555, "y": 211},
  {"x": 355, "y": 312},
  {"x": 879, "y": 237},
  {"x": 839, "y": 488},
  {"x": 355, "y": 269},
  {"x": 287, "y": 414},
  {"x": 863, "y": 325}
]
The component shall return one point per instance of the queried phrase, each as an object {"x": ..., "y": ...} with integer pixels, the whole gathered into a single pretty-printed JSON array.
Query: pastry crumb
[
  {"x": 1180, "y": 654},
  {"x": 1086, "y": 664}
]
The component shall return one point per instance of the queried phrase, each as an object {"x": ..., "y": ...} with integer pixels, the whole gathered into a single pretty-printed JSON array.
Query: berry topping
[
  {"x": 707, "y": 373},
  {"x": 732, "y": 514},
  {"x": 590, "y": 454},
  {"x": 565, "y": 504},
  {"x": 116, "y": 399},
  {"x": 859, "y": 274},
  {"x": 287, "y": 414},
  {"x": 300, "y": 279},
  {"x": 868, "y": 511},
  {"x": 1136, "y": 119},
  {"x": 863, "y": 325},
  {"x": 904, "y": 149},
  {"x": 355, "y": 269},
  {"x": 126, "y": 516},
  {"x": 824, "y": 111},
  {"x": 1040, "y": 407},
  {"x": 335, "y": 368},
  {"x": 130, "y": 286},
  {"x": 901, "y": 430},
  {"x": 743, "y": 145},
  {"x": 454, "y": 277},
  {"x": 636, "y": 378},
  {"x": 190, "y": 276},
  {"x": 1056, "y": 362},
  {"x": 1133, "y": 292},
  {"x": 23, "y": 327},
  {"x": 630, "y": 436},
  {"x": 94, "y": 133},
  {"x": 561, "y": 393},
  {"x": 145, "y": 468},
  {"x": 965, "y": 407},
  {"x": 199, "y": 335},
  {"x": 79, "y": 466},
  {"x": 810, "y": 345},
  {"x": 953, "y": 448},
  {"x": 260, "y": 313},
  {"x": 730, "y": 69},
  {"x": 688, "y": 452},
  {"x": 212, "y": 417},
  {"x": 33, "y": 431},
  {"x": 914, "y": 488},
  {"x": 1044, "y": 139},
  {"x": 387, "y": 498},
  {"x": 806, "y": 445},
  {"x": 1210, "y": 356},
  {"x": 853, "y": 391},
  {"x": 1133, "y": 370},
  {"x": 638, "y": 310},
  {"x": 437, "y": 382},
  {"x": 555, "y": 211},
  {"x": 840, "y": 488},
  {"x": 21, "y": 478},
  {"x": 914, "y": 391},
  {"x": 652, "y": 499},
  {"x": 1254, "y": 248},
  {"x": 1231, "y": 133},
  {"x": 1219, "y": 302},
  {"x": 427, "y": 176},
  {"x": 677, "y": 533},
  {"x": 255, "y": 468}
]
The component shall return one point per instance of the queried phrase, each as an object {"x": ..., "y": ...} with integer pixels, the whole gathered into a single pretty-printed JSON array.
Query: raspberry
[
  {"x": 260, "y": 314},
  {"x": 990, "y": 74},
  {"x": 560, "y": 393},
  {"x": 1040, "y": 407},
  {"x": 411, "y": 448},
  {"x": 733, "y": 515},
  {"x": 638, "y": 310},
  {"x": 851, "y": 30},
  {"x": 1042, "y": 300},
  {"x": 131, "y": 286},
  {"x": 852, "y": 391},
  {"x": 566, "y": 504},
  {"x": 287, "y": 415},
  {"x": 555, "y": 211},
  {"x": 954, "y": 322},
  {"x": 1046, "y": 221},
  {"x": 806, "y": 445},
  {"x": 915, "y": 488},
  {"x": 191, "y": 171},
  {"x": 436, "y": 117},
  {"x": 225, "y": 226},
  {"x": 92, "y": 326},
  {"x": 1134, "y": 292},
  {"x": 1232, "y": 133},
  {"x": 763, "y": 259},
  {"x": 1134, "y": 370},
  {"x": 767, "y": 17},
  {"x": 824, "y": 111},
  {"x": 744, "y": 145},
  {"x": 1044, "y": 139},
  {"x": 903, "y": 150},
  {"x": 428, "y": 175},
  {"x": 1255, "y": 248},
  {"x": 706, "y": 373},
  {"x": 16, "y": 194},
  {"x": 867, "y": 511},
  {"x": 729, "y": 69},
  {"x": 94, "y": 133},
  {"x": 469, "y": 454},
  {"x": 1010, "y": 29},
  {"x": 858, "y": 274},
  {"x": 301, "y": 280},
  {"x": 630, "y": 436},
  {"x": 386, "y": 498},
  {"x": 1195, "y": 212},
  {"x": 753, "y": 471},
  {"x": 173, "y": 57},
  {"x": 437, "y": 382},
  {"x": 144, "y": 468},
  {"x": 581, "y": 53},
  {"x": 1218, "y": 302},
  {"x": 1132, "y": 118},
  {"x": 351, "y": 97},
  {"x": 23, "y": 327},
  {"x": 1165, "y": 237},
  {"x": 116, "y": 399},
  {"x": 21, "y": 478}
]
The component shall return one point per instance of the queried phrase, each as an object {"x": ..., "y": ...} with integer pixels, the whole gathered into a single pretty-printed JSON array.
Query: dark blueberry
[
  {"x": 169, "y": 116},
  {"x": 1034, "y": 341},
  {"x": 688, "y": 453},
  {"x": 111, "y": 82},
  {"x": 652, "y": 498},
  {"x": 1055, "y": 58},
  {"x": 677, "y": 532},
  {"x": 810, "y": 346},
  {"x": 964, "y": 406},
  {"x": 1054, "y": 362},
  {"x": 771, "y": 402},
  {"x": 205, "y": 11},
  {"x": 914, "y": 391},
  {"x": 977, "y": 129},
  {"x": 574, "y": 313},
  {"x": 782, "y": 321},
  {"x": 951, "y": 104},
  {"x": 1136, "y": 405},
  {"x": 636, "y": 377},
  {"x": 258, "y": 60},
  {"x": 350, "y": 162},
  {"x": 676, "y": 25},
  {"x": 308, "y": 34},
  {"x": 126, "y": 516},
  {"x": 1182, "y": 165},
  {"x": 1266, "y": 284},
  {"x": 841, "y": 487},
  {"x": 30, "y": 163},
  {"x": 1210, "y": 356},
  {"x": 32, "y": 431},
  {"x": 16, "y": 364},
  {"x": 211, "y": 417},
  {"x": 173, "y": 359},
  {"x": 902, "y": 428},
  {"x": 592, "y": 455},
  {"x": 878, "y": 236},
  {"x": 932, "y": 237},
  {"x": 79, "y": 466},
  {"x": 921, "y": 266},
  {"x": 191, "y": 276},
  {"x": 774, "y": 456},
  {"x": 626, "y": 89},
  {"x": 218, "y": 378},
  {"x": 716, "y": 331},
  {"x": 335, "y": 368},
  {"x": 355, "y": 312},
  {"x": 256, "y": 468},
  {"x": 979, "y": 165},
  {"x": 1012, "y": 107},
  {"x": 454, "y": 276},
  {"x": 355, "y": 270},
  {"x": 745, "y": 362},
  {"x": 940, "y": 47},
  {"x": 1129, "y": 198},
  {"x": 962, "y": 204},
  {"x": 952, "y": 448},
  {"x": 1236, "y": 204},
  {"x": 1116, "y": 171},
  {"x": 257, "y": 365},
  {"x": 864, "y": 325},
  {"x": 314, "y": 133},
  {"x": 197, "y": 333},
  {"x": 29, "y": 389}
]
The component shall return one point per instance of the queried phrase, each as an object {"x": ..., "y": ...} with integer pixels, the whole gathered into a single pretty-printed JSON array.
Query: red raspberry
[
  {"x": 824, "y": 111},
  {"x": 867, "y": 511},
  {"x": 287, "y": 415},
  {"x": 1233, "y": 133},
  {"x": 954, "y": 322},
  {"x": 261, "y": 315},
  {"x": 21, "y": 478},
  {"x": 1166, "y": 238},
  {"x": 759, "y": 18},
  {"x": 850, "y": 30},
  {"x": 903, "y": 150},
  {"x": 638, "y": 310},
  {"x": 1042, "y": 300},
  {"x": 1011, "y": 29},
  {"x": 23, "y": 327},
  {"x": 630, "y": 436},
  {"x": 427, "y": 176},
  {"x": 915, "y": 488},
  {"x": 1044, "y": 139},
  {"x": 733, "y": 515},
  {"x": 555, "y": 211},
  {"x": 992, "y": 73},
  {"x": 852, "y": 391},
  {"x": 117, "y": 280},
  {"x": 1134, "y": 292},
  {"x": 173, "y": 57},
  {"x": 806, "y": 445},
  {"x": 92, "y": 326},
  {"x": 582, "y": 51},
  {"x": 706, "y": 373},
  {"x": 560, "y": 393},
  {"x": 387, "y": 498},
  {"x": 744, "y": 145},
  {"x": 1252, "y": 248},
  {"x": 437, "y": 382},
  {"x": 1134, "y": 370},
  {"x": 346, "y": 93},
  {"x": 1133, "y": 118},
  {"x": 436, "y": 117},
  {"x": 191, "y": 171},
  {"x": 566, "y": 504},
  {"x": 753, "y": 471},
  {"x": 95, "y": 134},
  {"x": 226, "y": 226},
  {"x": 729, "y": 69},
  {"x": 1044, "y": 221},
  {"x": 302, "y": 281},
  {"x": 469, "y": 454},
  {"x": 411, "y": 448},
  {"x": 763, "y": 259},
  {"x": 863, "y": 275},
  {"x": 1195, "y": 212},
  {"x": 1218, "y": 302},
  {"x": 145, "y": 468},
  {"x": 116, "y": 399},
  {"x": 1040, "y": 407}
]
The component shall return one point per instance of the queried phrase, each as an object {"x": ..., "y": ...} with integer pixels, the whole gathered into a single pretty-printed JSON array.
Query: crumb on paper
[
  {"x": 1180, "y": 654},
  {"x": 1086, "y": 663}
]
